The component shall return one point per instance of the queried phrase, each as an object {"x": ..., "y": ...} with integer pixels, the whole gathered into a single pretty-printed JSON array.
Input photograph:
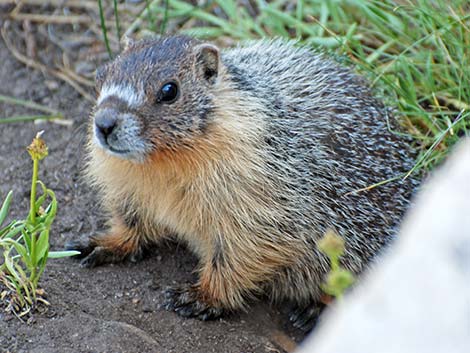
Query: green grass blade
[
  {"x": 299, "y": 14},
  {"x": 42, "y": 245},
  {"x": 60, "y": 254},
  {"x": 21, "y": 250},
  {"x": 10, "y": 265},
  {"x": 165, "y": 17},
  {"x": 103, "y": 29},
  {"x": 52, "y": 210},
  {"x": 149, "y": 13},
  {"x": 438, "y": 140},
  {"x": 27, "y": 104},
  {"x": 203, "y": 32},
  {"x": 12, "y": 231},
  {"x": 229, "y": 7},
  {"x": 289, "y": 21},
  {"x": 27, "y": 118},
  {"x": 116, "y": 19},
  {"x": 5, "y": 207},
  {"x": 26, "y": 234}
]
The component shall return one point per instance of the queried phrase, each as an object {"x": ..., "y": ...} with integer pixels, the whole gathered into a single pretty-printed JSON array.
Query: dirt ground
[{"x": 113, "y": 308}]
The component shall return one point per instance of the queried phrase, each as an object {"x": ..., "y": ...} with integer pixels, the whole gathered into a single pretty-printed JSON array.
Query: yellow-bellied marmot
[{"x": 248, "y": 155}]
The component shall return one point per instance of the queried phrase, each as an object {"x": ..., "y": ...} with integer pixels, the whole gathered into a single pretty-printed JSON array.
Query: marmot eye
[{"x": 169, "y": 92}]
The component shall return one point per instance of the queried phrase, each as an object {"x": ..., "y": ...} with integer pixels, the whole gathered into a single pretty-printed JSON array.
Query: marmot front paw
[{"x": 93, "y": 254}]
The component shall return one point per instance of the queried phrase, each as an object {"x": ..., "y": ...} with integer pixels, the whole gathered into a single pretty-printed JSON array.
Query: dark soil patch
[{"x": 112, "y": 308}]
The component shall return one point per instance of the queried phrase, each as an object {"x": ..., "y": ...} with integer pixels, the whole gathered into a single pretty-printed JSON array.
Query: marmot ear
[
  {"x": 127, "y": 42},
  {"x": 207, "y": 61},
  {"x": 100, "y": 75}
]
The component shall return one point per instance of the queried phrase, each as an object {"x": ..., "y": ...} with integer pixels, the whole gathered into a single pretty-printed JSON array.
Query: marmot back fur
[{"x": 248, "y": 155}]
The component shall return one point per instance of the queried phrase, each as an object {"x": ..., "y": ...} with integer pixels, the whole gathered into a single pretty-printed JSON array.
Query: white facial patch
[{"x": 128, "y": 94}]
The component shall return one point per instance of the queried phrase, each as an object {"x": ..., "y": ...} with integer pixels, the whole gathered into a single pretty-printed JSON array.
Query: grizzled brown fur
[{"x": 260, "y": 152}]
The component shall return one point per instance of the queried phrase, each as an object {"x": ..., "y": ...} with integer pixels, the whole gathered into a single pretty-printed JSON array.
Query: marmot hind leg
[
  {"x": 215, "y": 294},
  {"x": 188, "y": 301},
  {"x": 305, "y": 317},
  {"x": 228, "y": 278}
]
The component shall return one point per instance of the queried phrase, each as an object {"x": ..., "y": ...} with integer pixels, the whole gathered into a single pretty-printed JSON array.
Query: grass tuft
[{"x": 415, "y": 53}]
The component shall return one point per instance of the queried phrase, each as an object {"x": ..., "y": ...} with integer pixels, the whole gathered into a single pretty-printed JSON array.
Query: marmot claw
[
  {"x": 186, "y": 302},
  {"x": 305, "y": 317}
]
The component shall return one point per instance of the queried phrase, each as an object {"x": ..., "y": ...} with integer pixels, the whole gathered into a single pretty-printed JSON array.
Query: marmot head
[{"x": 155, "y": 96}]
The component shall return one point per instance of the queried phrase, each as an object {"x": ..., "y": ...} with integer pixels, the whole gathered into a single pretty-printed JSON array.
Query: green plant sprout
[
  {"x": 338, "y": 279},
  {"x": 24, "y": 244}
]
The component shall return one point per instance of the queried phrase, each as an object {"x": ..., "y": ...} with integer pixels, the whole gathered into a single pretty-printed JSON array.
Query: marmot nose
[{"x": 105, "y": 122}]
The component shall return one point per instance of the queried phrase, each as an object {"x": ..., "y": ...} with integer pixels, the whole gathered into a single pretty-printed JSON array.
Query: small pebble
[{"x": 52, "y": 85}]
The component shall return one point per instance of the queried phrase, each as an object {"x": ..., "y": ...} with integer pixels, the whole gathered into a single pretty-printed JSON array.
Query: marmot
[{"x": 248, "y": 155}]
